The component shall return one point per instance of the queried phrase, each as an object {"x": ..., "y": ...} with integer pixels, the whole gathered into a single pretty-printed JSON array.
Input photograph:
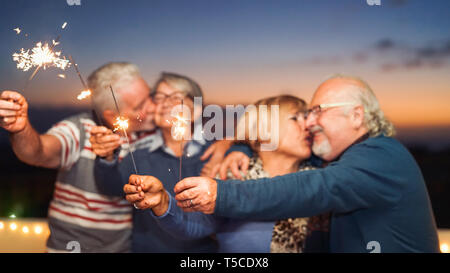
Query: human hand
[
  {"x": 147, "y": 192},
  {"x": 104, "y": 142},
  {"x": 215, "y": 153},
  {"x": 13, "y": 111},
  {"x": 236, "y": 162},
  {"x": 196, "y": 194}
]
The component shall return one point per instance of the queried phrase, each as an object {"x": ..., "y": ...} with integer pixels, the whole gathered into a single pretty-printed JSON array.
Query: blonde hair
[
  {"x": 254, "y": 120},
  {"x": 115, "y": 74},
  {"x": 374, "y": 118}
]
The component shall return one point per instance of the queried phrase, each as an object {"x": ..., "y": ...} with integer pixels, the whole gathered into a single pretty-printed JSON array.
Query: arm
[
  {"x": 239, "y": 147},
  {"x": 356, "y": 181},
  {"x": 37, "y": 150},
  {"x": 148, "y": 192},
  {"x": 111, "y": 176},
  {"x": 184, "y": 225},
  {"x": 28, "y": 145}
]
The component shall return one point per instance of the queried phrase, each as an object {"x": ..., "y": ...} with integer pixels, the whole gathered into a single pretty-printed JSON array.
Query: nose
[{"x": 311, "y": 121}]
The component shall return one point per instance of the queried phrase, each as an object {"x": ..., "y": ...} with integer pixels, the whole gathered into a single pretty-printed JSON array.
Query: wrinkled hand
[
  {"x": 217, "y": 153},
  {"x": 196, "y": 194},
  {"x": 104, "y": 142},
  {"x": 147, "y": 192},
  {"x": 235, "y": 161},
  {"x": 13, "y": 111}
]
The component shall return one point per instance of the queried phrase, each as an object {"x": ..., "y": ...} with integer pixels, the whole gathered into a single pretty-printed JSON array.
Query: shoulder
[
  {"x": 79, "y": 121},
  {"x": 380, "y": 146},
  {"x": 383, "y": 156}
]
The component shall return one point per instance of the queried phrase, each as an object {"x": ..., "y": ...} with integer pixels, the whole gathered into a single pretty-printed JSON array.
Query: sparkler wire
[{"x": 124, "y": 131}]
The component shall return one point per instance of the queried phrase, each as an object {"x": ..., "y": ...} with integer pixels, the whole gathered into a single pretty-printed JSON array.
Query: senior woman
[
  {"x": 291, "y": 155},
  {"x": 161, "y": 160}
]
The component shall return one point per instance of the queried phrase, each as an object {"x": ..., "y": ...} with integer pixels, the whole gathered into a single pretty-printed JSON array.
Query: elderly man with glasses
[{"x": 371, "y": 184}]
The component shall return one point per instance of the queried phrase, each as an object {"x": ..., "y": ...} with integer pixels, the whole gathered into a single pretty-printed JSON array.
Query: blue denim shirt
[{"x": 375, "y": 191}]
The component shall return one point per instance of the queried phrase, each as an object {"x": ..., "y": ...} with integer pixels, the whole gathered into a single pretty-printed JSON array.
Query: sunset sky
[{"x": 243, "y": 50}]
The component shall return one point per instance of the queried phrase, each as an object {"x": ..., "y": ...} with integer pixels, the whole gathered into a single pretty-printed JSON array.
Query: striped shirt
[{"x": 79, "y": 212}]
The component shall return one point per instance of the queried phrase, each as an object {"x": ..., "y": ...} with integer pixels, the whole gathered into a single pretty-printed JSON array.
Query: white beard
[{"x": 322, "y": 149}]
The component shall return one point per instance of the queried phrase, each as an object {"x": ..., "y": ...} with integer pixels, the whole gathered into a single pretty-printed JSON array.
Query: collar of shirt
[{"x": 191, "y": 148}]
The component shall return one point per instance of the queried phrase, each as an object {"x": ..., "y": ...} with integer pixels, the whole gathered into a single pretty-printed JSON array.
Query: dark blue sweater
[
  {"x": 147, "y": 234},
  {"x": 375, "y": 191}
]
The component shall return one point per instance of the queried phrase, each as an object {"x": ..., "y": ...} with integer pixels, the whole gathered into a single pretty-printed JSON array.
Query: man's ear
[
  {"x": 109, "y": 116},
  {"x": 358, "y": 117}
]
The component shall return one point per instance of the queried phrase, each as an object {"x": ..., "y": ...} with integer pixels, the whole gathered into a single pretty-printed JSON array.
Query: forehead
[
  {"x": 133, "y": 93},
  {"x": 163, "y": 87},
  {"x": 333, "y": 90}
]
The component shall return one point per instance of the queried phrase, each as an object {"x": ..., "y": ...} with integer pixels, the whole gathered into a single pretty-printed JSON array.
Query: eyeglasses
[
  {"x": 176, "y": 97},
  {"x": 318, "y": 109}
]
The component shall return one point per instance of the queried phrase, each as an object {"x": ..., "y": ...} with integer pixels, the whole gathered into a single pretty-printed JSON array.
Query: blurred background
[{"x": 239, "y": 51}]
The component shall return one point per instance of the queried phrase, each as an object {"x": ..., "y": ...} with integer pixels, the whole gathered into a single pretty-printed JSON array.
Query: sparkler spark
[
  {"x": 84, "y": 94},
  {"x": 179, "y": 127},
  {"x": 17, "y": 30},
  {"x": 64, "y": 25},
  {"x": 40, "y": 56},
  {"x": 123, "y": 124},
  {"x": 120, "y": 124},
  {"x": 62, "y": 76}
]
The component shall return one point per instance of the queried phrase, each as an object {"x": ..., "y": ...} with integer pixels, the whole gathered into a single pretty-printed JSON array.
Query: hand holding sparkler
[
  {"x": 147, "y": 192},
  {"x": 13, "y": 111},
  {"x": 104, "y": 142}
]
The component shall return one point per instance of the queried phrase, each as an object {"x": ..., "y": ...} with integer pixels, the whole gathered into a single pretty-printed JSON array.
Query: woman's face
[
  {"x": 165, "y": 99},
  {"x": 294, "y": 138}
]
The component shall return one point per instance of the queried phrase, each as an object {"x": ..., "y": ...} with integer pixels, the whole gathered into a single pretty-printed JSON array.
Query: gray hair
[
  {"x": 115, "y": 74},
  {"x": 181, "y": 83},
  {"x": 374, "y": 118}
]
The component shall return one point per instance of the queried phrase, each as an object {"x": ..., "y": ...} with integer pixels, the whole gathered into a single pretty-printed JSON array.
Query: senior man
[
  {"x": 371, "y": 184},
  {"x": 81, "y": 217}
]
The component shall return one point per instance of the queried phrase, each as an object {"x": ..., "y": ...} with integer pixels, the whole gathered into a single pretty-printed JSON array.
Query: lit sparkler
[
  {"x": 84, "y": 94},
  {"x": 179, "y": 131},
  {"x": 122, "y": 123},
  {"x": 40, "y": 56}
]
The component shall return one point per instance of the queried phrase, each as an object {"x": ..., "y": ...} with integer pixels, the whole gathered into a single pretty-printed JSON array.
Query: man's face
[
  {"x": 332, "y": 130},
  {"x": 137, "y": 105}
]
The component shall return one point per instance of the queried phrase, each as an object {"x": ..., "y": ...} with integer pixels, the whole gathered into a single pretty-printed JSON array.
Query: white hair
[
  {"x": 374, "y": 118},
  {"x": 115, "y": 74}
]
